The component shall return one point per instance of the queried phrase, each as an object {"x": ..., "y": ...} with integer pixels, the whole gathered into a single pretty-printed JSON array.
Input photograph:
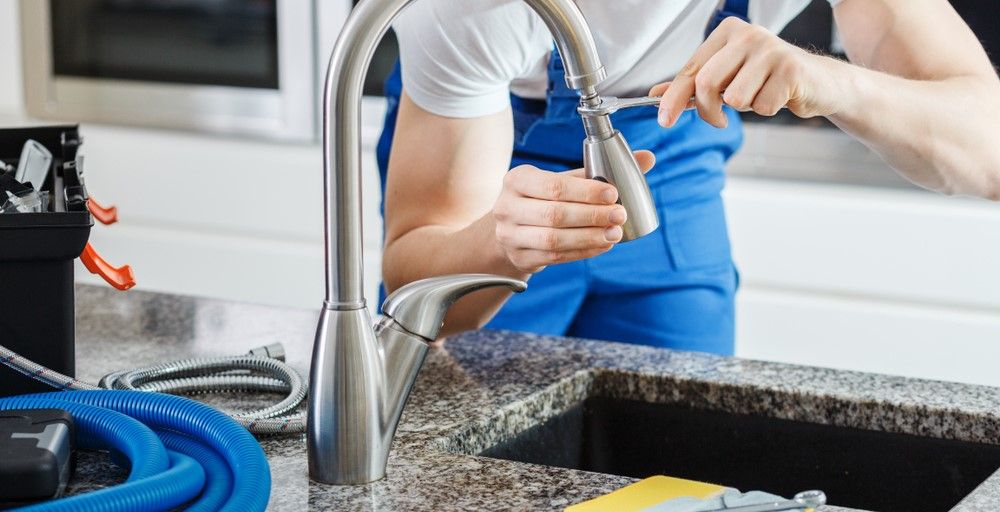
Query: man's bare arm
[
  {"x": 928, "y": 99},
  {"x": 453, "y": 207},
  {"x": 920, "y": 90}
]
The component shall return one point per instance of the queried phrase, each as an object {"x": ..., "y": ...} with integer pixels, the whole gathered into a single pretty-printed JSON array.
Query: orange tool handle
[
  {"x": 120, "y": 277},
  {"x": 106, "y": 215}
]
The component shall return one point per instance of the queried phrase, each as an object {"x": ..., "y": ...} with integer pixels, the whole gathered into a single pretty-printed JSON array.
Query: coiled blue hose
[
  {"x": 218, "y": 478},
  {"x": 207, "y": 456}
]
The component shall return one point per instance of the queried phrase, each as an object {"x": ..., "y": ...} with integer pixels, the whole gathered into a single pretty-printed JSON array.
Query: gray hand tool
[
  {"x": 34, "y": 164},
  {"x": 802, "y": 500}
]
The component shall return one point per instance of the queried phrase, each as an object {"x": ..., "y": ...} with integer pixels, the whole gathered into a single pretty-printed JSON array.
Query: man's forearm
[
  {"x": 485, "y": 217},
  {"x": 941, "y": 134},
  {"x": 438, "y": 250}
]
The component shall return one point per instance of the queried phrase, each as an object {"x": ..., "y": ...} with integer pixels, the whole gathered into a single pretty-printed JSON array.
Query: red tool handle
[
  {"x": 120, "y": 277},
  {"x": 106, "y": 215}
]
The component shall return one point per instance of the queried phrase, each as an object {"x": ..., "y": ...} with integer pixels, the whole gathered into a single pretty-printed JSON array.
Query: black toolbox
[{"x": 36, "y": 260}]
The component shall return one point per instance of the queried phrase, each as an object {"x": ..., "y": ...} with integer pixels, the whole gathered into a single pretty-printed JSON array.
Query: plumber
[{"x": 481, "y": 152}]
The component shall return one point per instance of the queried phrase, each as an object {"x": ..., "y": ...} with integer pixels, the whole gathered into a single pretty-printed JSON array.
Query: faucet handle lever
[{"x": 419, "y": 307}]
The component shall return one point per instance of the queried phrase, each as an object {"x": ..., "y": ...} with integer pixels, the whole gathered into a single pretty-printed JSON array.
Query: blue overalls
[{"x": 673, "y": 288}]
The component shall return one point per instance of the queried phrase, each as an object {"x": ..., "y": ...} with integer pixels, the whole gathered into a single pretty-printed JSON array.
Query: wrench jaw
[
  {"x": 607, "y": 105},
  {"x": 610, "y": 104}
]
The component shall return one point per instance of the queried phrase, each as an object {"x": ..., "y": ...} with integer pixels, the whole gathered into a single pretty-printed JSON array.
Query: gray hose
[{"x": 245, "y": 373}]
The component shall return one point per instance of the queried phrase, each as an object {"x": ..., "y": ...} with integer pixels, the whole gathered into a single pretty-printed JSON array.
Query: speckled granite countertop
[{"x": 483, "y": 387}]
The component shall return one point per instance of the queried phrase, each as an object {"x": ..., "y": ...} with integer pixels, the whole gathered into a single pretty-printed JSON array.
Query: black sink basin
[{"x": 856, "y": 468}]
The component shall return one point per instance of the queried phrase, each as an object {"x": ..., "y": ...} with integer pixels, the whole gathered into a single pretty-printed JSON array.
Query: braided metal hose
[{"x": 244, "y": 373}]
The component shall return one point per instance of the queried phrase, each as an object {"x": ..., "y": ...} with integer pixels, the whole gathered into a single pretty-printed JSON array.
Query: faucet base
[{"x": 346, "y": 389}]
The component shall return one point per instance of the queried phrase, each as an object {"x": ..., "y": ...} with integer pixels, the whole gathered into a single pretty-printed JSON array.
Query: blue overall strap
[
  {"x": 558, "y": 90},
  {"x": 738, "y": 8}
]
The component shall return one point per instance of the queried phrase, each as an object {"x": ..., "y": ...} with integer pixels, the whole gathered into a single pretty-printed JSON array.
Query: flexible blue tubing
[
  {"x": 164, "y": 491},
  {"x": 98, "y": 428},
  {"x": 249, "y": 478},
  {"x": 218, "y": 479},
  {"x": 155, "y": 482}
]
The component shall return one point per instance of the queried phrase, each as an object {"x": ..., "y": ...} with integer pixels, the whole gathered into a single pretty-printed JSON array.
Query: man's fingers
[
  {"x": 772, "y": 96},
  {"x": 713, "y": 79},
  {"x": 536, "y": 259},
  {"x": 646, "y": 160},
  {"x": 659, "y": 89},
  {"x": 675, "y": 99},
  {"x": 554, "y": 186},
  {"x": 743, "y": 89},
  {"x": 555, "y": 214},
  {"x": 556, "y": 239},
  {"x": 538, "y": 222},
  {"x": 676, "y": 96}
]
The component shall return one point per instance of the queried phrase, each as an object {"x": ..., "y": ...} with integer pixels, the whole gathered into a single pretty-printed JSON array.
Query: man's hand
[
  {"x": 543, "y": 217},
  {"x": 748, "y": 68}
]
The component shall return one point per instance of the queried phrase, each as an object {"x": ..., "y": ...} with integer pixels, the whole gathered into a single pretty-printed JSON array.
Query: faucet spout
[
  {"x": 358, "y": 385},
  {"x": 342, "y": 93}
]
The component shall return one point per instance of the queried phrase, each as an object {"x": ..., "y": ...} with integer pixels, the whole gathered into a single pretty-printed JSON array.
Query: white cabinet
[
  {"x": 875, "y": 279},
  {"x": 870, "y": 335}
]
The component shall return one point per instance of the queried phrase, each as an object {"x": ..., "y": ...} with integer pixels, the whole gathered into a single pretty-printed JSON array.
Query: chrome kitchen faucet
[{"x": 362, "y": 372}]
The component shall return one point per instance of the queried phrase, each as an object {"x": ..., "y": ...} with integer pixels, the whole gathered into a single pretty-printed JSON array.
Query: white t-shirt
[{"x": 462, "y": 58}]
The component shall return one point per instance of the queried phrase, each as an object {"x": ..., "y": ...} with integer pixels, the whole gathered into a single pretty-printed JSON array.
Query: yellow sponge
[{"x": 646, "y": 493}]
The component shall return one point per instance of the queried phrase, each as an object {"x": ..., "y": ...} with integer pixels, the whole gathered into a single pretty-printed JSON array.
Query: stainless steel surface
[
  {"x": 346, "y": 388},
  {"x": 361, "y": 376},
  {"x": 286, "y": 113},
  {"x": 576, "y": 45},
  {"x": 611, "y": 160},
  {"x": 802, "y": 500},
  {"x": 597, "y": 127},
  {"x": 419, "y": 307}
]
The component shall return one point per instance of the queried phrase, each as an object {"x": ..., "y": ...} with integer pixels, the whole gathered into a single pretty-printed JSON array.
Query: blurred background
[{"x": 200, "y": 122}]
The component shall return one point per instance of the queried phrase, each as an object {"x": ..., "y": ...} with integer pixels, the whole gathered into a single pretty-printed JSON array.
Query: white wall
[
  {"x": 851, "y": 277},
  {"x": 219, "y": 217},
  {"x": 10, "y": 59}
]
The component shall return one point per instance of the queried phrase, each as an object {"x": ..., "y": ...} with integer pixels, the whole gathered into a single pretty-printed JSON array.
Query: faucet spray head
[{"x": 608, "y": 157}]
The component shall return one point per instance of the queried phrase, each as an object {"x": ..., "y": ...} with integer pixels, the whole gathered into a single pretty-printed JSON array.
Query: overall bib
[{"x": 673, "y": 288}]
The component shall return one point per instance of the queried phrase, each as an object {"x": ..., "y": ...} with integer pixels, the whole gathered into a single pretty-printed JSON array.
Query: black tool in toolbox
[
  {"x": 36, "y": 257},
  {"x": 36, "y": 454}
]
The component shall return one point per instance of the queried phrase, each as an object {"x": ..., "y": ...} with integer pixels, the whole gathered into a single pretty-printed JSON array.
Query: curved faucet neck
[{"x": 342, "y": 93}]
